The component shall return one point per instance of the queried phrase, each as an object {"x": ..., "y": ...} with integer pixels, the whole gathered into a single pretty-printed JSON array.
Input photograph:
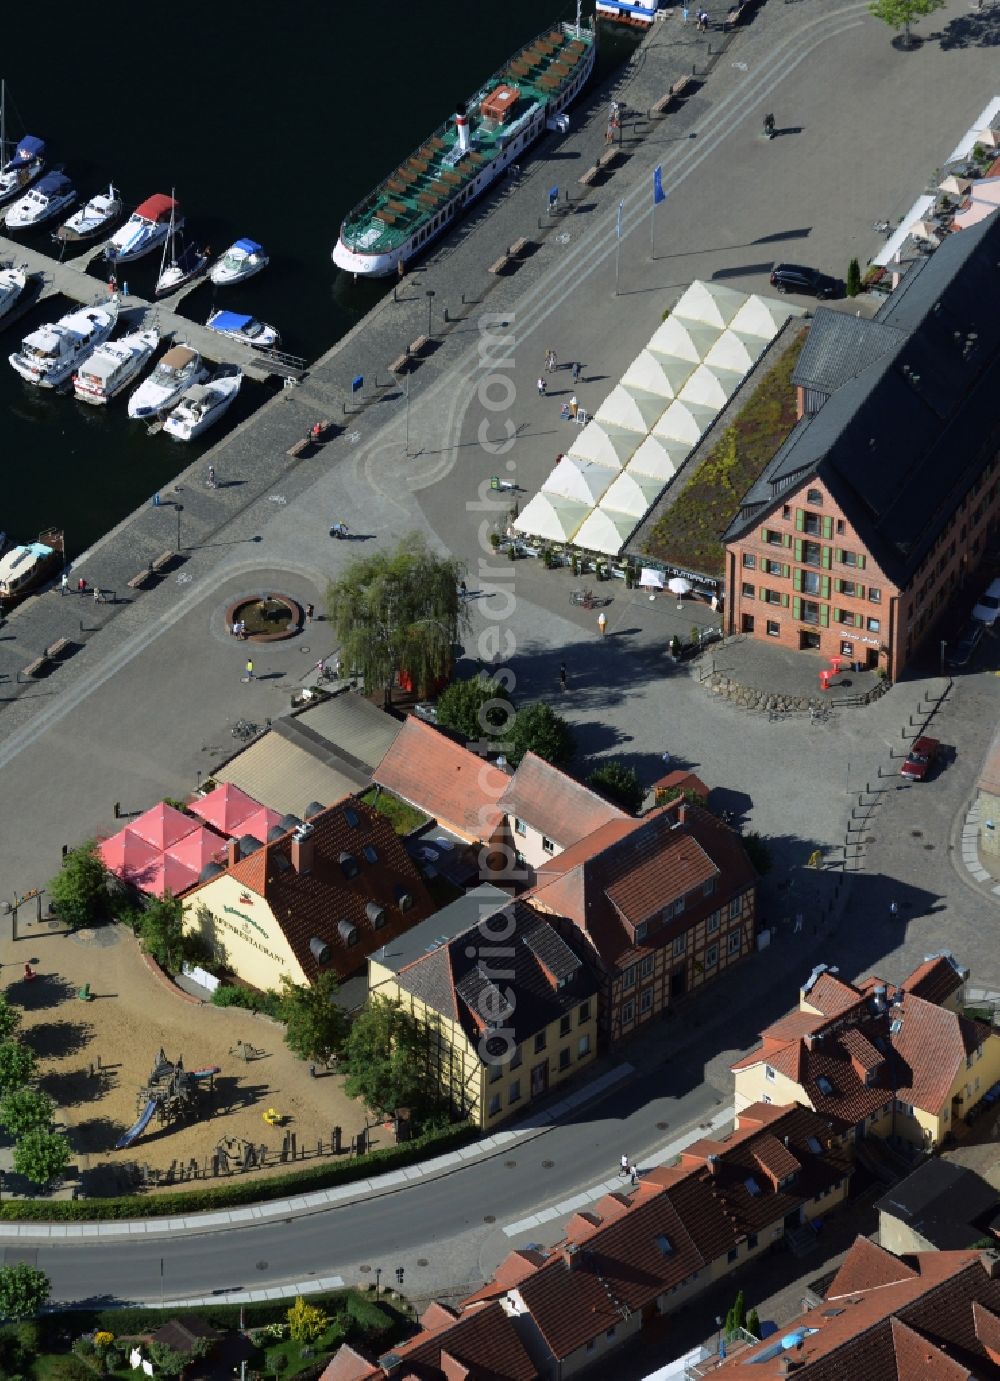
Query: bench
[
  {"x": 521, "y": 247},
  {"x": 609, "y": 159},
  {"x": 139, "y": 582},
  {"x": 298, "y": 448},
  {"x": 400, "y": 364},
  {"x": 163, "y": 561},
  {"x": 676, "y": 93},
  {"x": 418, "y": 346},
  {"x": 590, "y": 176},
  {"x": 500, "y": 265},
  {"x": 38, "y": 665},
  {"x": 58, "y": 648}
]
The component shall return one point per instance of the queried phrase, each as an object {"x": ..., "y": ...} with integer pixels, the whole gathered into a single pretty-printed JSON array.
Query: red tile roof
[
  {"x": 924, "y": 1320},
  {"x": 556, "y": 805},
  {"x": 831, "y": 996},
  {"x": 670, "y": 868},
  {"x": 458, "y": 788},
  {"x": 315, "y": 904},
  {"x": 936, "y": 979},
  {"x": 482, "y": 1339}
]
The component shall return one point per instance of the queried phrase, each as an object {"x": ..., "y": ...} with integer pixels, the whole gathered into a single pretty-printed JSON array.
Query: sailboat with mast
[
  {"x": 181, "y": 261},
  {"x": 20, "y": 167}
]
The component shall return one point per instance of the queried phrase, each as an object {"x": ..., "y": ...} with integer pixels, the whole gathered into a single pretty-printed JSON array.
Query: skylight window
[
  {"x": 665, "y": 1245},
  {"x": 351, "y": 816},
  {"x": 752, "y": 1187},
  {"x": 823, "y": 1084},
  {"x": 896, "y": 1026},
  {"x": 814, "y": 1146}
]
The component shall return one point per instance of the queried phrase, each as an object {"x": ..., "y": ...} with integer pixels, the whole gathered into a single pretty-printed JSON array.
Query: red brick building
[{"x": 881, "y": 503}]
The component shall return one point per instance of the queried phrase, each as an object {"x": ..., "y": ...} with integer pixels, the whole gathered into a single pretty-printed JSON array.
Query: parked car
[
  {"x": 795, "y": 278},
  {"x": 960, "y": 652},
  {"x": 988, "y": 607},
  {"x": 920, "y": 759}
]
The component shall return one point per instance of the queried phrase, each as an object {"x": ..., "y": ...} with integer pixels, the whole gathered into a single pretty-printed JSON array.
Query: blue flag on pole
[
  {"x": 658, "y": 193},
  {"x": 618, "y": 223}
]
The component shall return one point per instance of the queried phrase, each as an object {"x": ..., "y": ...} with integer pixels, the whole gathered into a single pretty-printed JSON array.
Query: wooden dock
[{"x": 70, "y": 279}]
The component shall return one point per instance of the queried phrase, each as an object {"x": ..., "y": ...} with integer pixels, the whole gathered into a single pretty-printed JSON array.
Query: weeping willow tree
[{"x": 398, "y": 611}]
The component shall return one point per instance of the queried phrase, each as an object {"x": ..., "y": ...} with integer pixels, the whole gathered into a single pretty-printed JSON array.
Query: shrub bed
[{"x": 236, "y": 1193}]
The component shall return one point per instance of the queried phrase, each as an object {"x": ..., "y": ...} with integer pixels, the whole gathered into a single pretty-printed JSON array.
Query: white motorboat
[
  {"x": 203, "y": 404},
  {"x": 24, "y": 567},
  {"x": 180, "y": 262},
  {"x": 18, "y": 169},
  {"x": 12, "y": 285},
  {"x": 180, "y": 367},
  {"x": 113, "y": 366},
  {"x": 49, "y": 196},
  {"x": 49, "y": 355},
  {"x": 101, "y": 211},
  {"x": 245, "y": 329},
  {"x": 145, "y": 230},
  {"x": 241, "y": 260}
]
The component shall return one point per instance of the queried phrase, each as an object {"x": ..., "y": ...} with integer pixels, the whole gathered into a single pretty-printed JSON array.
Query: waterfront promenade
[{"x": 147, "y": 701}]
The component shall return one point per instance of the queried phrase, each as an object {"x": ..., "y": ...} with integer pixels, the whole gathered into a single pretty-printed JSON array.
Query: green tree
[
  {"x": 475, "y": 708},
  {"x": 24, "y": 1109},
  {"x": 306, "y": 1322},
  {"x": 853, "y": 278},
  {"x": 17, "y": 1066},
  {"x": 618, "y": 784},
  {"x": 385, "y": 1059},
  {"x": 41, "y": 1155},
  {"x": 752, "y": 1324},
  {"x": 736, "y": 1318},
  {"x": 538, "y": 729},
  {"x": 166, "y": 1360},
  {"x": 900, "y": 14},
  {"x": 24, "y": 1290},
  {"x": 10, "y": 1019},
  {"x": 160, "y": 928},
  {"x": 315, "y": 1027},
  {"x": 398, "y": 611},
  {"x": 79, "y": 890},
  {"x": 758, "y": 852}
]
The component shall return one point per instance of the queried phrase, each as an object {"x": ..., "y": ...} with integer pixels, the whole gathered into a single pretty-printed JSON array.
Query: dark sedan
[{"x": 795, "y": 278}]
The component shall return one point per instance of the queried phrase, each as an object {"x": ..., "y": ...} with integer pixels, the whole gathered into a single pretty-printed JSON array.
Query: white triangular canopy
[
  {"x": 605, "y": 532},
  {"x": 657, "y": 458},
  {"x": 685, "y": 421},
  {"x": 662, "y": 374},
  {"x": 763, "y": 316},
  {"x": 582, "y": 480},
  {"x": 606, "y": 444},
  {"x": 711, "y": 303},
  {"x": 688, "y": 340},
  {"x": 632, "y": 408},
  {"x": 632, "y": 494},
  {"x": 552, "y": 517},
  {"x": 713, "y": 387},
  {"x": 734, "y": 350}
]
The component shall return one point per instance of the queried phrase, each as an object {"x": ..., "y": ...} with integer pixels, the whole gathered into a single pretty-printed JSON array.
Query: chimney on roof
[
  {"x": 232, "y": 852},
  {"x": 991, "y": 1263},
  {"x": 713, "y": 1164},
  {"x": 302, "y": 848},
  {"x": 571, "y": 1256},
  {"x": 787, "y": 1141}
]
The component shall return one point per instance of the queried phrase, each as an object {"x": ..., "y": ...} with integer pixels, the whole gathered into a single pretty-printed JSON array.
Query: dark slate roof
[
  {"x": 943, "y": 1202},
  {"x": 839, "y": 347},
  {"x": 513, "y": 950},
  {"x": 455, "y": 919},
  {"x": 900, "y": 442}
]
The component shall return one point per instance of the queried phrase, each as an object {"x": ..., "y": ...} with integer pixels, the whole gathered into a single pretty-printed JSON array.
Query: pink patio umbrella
[
  {"x": 226, "y": 808},
  {"x": 163, "y": 825},
  {"x": 128, "y": 856},
  {"x": 197, "y": 849},
  {"x": 260, "y": 822},
  {"x": 167, "y": 875}
]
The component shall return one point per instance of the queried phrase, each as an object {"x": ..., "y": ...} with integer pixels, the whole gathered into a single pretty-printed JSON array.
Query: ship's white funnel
[{"x": 462, "y": 125}]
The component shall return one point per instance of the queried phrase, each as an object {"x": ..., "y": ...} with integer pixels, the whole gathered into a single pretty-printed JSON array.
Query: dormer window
[
  {"x": 641, "y": 930},
  {"x": 665, "y": 1245},
  {"x": 348, "y": 865},
  {"x": 823, "y": 1084}
]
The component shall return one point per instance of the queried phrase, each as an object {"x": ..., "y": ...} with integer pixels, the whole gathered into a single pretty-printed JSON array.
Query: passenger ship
[{"x": 424, "y": 196}]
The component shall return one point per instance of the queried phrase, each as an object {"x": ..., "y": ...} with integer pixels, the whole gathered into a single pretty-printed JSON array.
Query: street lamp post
[
  {"x": 944, "y": 644},
  {"x": 378, "y": 1280},
  {"x": 430, "y": 308},
  {"x": 180, "y": 510},
  {"x": 406, "y": 413}
]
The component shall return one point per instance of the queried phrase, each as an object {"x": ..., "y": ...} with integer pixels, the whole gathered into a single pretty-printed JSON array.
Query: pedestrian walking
[
  {"x": 463, "y": 590},
  {"x": 64, "y": 584},
  {"x": 685, "y": 12},
  {"x": 309, "y": 613},
  {"x": 624, "y": 1168},
  {"x": 98, "y": 595},
  {"x": 249, "y": 675},
  {"x": 541, "y": 386},
  {"x": 562, "y": 675},
  {"x": 574, "y": 407},
  {"x": 602, "y": 622},
  {"x": 550, "y": 361},
  {"x": 893, "y": 909},
  {"x": 576, "y": 371},
  {"x": 81, "y": 586},
  {"x": 635, "y": 1175},
  {"x": 210, "y": 481}
]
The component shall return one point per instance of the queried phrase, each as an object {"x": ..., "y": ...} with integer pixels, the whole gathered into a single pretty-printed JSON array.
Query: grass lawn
[
  {"x": 403, "y": 818},
  {"x": 321, "y": 1350},
  {"x": 689, "y": 531}
]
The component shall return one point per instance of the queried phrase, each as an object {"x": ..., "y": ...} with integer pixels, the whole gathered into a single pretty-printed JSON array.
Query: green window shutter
[
  {"x": 861, "y": 591},
  {"x": 798, "y": 548},
  {"x": 765, "y": 535},
  {"x": 825, "y": 557},
  {"x": 784, "y": 599},
  {"x": 839, "y": 553},
  {"x": 861, "y": 561},
  {"x": 836, "y": 616},
  {"x": 824, "y": 586},
  {"x": 838, "y": 586},
  {"x": 824, "y": 615},
  {"x": 796, "y": 607},
  {"x": 828, "y": 528},
  {"x": 800, "y": 519},
  {"x": 786, "y": 571},
  {"x": 797, "y": 580}
]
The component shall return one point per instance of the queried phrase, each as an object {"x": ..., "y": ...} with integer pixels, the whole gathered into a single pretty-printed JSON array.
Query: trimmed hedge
[
  {"x": 236, "y": 1193},
  {"x": 131, "y": 1321}
]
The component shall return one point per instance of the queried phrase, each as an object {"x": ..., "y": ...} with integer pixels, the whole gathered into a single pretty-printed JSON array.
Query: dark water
[{"x": 270, "y": 121}]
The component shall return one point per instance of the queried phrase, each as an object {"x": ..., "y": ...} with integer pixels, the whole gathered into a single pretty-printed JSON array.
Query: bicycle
[
  {"x": 584, "y": 597},
  {"x": 819, "y": 714},
  {"x": 244, "y": 729}
]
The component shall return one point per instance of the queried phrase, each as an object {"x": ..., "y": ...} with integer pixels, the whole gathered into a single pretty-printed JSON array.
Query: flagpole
[
  {"x": 652, "y": 231},
  {"x": 618, "y": 251}
]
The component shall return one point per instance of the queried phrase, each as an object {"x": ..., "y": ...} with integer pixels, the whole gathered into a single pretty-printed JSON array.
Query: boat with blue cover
[
  {"x": 20, "y": 171},
  {"x": 240, "y": 261},
  {"x": 425, "y": 195},
  {"x": 49, "y": 196},
  {"x": 246, "y": 329}
]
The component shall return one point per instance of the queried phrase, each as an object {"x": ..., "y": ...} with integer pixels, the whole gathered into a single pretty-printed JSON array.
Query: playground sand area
[{"x": 133, "y": 1014}]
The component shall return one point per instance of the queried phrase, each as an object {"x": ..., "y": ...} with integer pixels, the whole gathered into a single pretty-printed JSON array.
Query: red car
[{"x": 920, "y": 758}]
